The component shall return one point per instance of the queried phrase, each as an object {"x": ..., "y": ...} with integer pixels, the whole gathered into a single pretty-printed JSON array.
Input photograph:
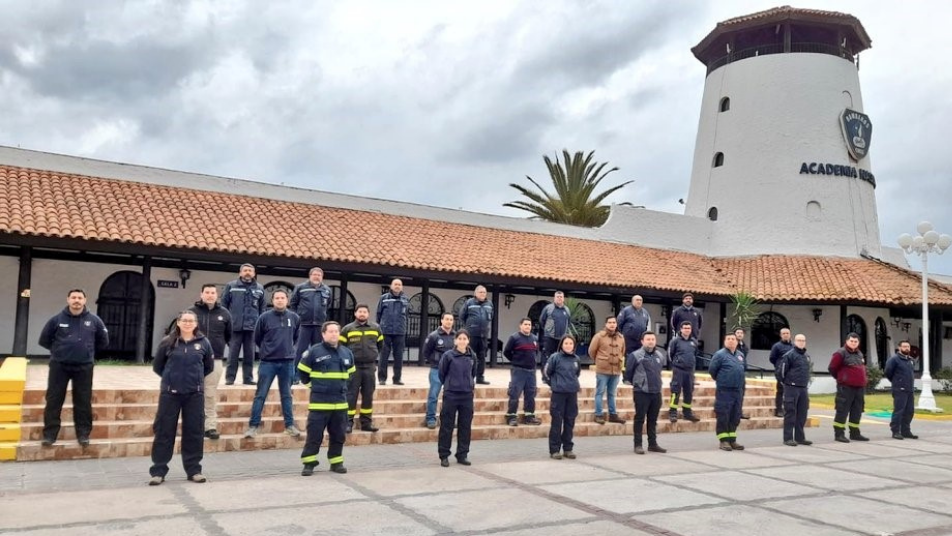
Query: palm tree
[{"x": 575, "y": 183}]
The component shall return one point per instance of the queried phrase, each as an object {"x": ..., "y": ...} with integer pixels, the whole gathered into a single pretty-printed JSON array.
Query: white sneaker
[
  {"x": 293, "y": 431},
  {"x": 251, "y": 432}
]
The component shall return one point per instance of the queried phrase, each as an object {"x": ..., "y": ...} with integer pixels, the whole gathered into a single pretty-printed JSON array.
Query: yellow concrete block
[
  {"x": 13, "y": 374},
  {"x": 8, "y": 452},
  {"x": 9, "y": 432},
  {"x": 11, "y": 397},
  {"x": 10, "y": 413}
]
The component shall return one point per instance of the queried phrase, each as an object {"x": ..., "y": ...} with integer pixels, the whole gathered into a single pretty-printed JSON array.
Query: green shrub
[
  {"x": 873, "y": 376},
  {"x": 944, "y": 380}
]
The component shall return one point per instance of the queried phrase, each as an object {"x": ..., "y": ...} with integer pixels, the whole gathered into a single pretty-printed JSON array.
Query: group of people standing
[{"x": 296, "y": 343}]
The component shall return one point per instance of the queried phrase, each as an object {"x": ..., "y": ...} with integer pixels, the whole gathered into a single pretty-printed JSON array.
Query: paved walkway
[{"x": 883, "y": 487}]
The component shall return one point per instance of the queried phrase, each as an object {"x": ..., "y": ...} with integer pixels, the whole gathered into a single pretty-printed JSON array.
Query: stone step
[
  {"x": 274, "y": 423},
  {"x": 141, "y": 446},
  {"x": 142, "y": 411}
]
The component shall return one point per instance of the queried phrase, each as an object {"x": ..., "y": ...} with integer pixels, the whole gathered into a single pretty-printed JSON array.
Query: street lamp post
[{"x": 928, "y": 241}]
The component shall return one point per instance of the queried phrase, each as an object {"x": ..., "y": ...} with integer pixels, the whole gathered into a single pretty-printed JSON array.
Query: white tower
[{"x": 780, "y": 162}]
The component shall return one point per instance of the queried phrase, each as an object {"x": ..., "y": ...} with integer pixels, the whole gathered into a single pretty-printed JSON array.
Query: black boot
[
  {"x": 856, "y": 436},
  {"x": 350, "y": 426},
  {"x": 840, "y": 435}
]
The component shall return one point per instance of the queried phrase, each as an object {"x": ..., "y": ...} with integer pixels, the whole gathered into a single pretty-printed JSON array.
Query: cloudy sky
[{"x": 442, "y": 103}]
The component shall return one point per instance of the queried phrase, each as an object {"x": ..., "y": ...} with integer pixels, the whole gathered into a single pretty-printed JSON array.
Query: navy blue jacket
[
  {"x": 458, "y": 371},
  {"x": 477, "y": 317},
  {"x": 561, "y": 373},
  {"x": 683, "y": 352},
  {"x": 437, "y": 343},
  {"x": 310, "y": 303},
  {"x": 683, "y": 314},
  {"x": 392, "y": 313},
  {"x": 795, "y": 368},
  {"x": 632, "y": 323},
  {"x": 245, "y": 301},
  {"x": 215, "y": 324},
  {"x": 644, "y": 369},
  {"x": 74, "y": 339},
  {"x": 900, "y": 373},
  {"x": 727, "y": 369},
  {"x": 276, "y": 334},
  {"x": 184, "y": 365},
  {"x": 554, "y": 321},
  {"x": 777, "y": 351},
  {"x": 522, "y": 350},
  {"x": 328, "y": 370}
]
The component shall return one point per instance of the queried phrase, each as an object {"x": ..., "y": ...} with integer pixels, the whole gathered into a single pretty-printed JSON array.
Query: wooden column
[
  {"x": 144, "y": 310},
  {"x": 22, "y": 325}
]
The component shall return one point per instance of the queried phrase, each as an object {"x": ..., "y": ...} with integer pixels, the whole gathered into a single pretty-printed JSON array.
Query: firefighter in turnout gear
[
  {"x": 364, "y": 339},
  {"x": 727, "y": 369},
  {"x": 683, "y": 355},
  {"x": 327, "y": 367}
]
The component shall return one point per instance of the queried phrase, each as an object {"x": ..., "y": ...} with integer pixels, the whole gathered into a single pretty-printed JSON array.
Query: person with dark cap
[
  {"x": 848, "y": 366},
  {"x": 780, "y": 349},
  {"x": 244, "y": 299},
  {"x": 643, "y": 372},
  {"x": 683, "y": 354},
  {"x": 310, "y": 300},
  {"x": 901, "y": 374},
  {"x": 727, "y": 370},
  {"x": 794, "y": 372},
  {"x": 686, "y": 312},
  {"x": 522, "y": 351}
]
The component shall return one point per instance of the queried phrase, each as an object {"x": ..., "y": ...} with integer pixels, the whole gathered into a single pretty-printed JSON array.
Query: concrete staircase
[{"x": 123, "y": 419}]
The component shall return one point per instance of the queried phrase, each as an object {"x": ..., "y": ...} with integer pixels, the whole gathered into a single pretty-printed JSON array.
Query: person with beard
[
  {"x": 364, "y": 339},
  {"x": 901, "y": 373},
  {"x": 643, "y": 372},
  {"x": 848, "y": 366},
  {"x": 607, "y": 349}
]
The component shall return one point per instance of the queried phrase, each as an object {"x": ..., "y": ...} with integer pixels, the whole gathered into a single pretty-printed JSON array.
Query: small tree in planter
[{"x": 745, "y": 311}]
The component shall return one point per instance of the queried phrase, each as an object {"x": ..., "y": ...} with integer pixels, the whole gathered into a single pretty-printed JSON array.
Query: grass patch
[{"x": 881, "y": 402}]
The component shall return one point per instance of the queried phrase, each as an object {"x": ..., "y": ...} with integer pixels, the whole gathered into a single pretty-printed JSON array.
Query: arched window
[
  {"x": 534, "y": 313},
  {"x": 434, "y": 312},
  {"x": 333, "y": 311},
  {"x": 583, "y": 323},
  {"x": 458, "y": 308},
  {"x": 273, "y": 286},
  {"x": 118, "y": 304},
  {"x": 855, "y": 324},
  {"x": 718, "y": 159},
  {"x": 766, "y": 330},
  {"x": 725, "y": 104},
  {"x": 882, "y": 342},
  {"x": 712, "y": 214}
]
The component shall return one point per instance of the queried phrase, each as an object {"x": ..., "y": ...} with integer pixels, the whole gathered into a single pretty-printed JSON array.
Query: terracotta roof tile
[
  {"x": 34, "y": 202},
  {"x": 785, "y": 10}
]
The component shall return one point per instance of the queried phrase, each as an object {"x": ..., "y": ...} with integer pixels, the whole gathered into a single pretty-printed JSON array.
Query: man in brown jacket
[{"x": 608, "y": 350}]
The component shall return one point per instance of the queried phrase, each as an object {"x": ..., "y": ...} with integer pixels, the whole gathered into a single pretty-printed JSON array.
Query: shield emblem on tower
[{"x": 857, "y": 132}]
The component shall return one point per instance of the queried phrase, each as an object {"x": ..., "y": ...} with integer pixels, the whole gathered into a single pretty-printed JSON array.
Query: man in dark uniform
[
  {"x": 364, "y": 340},
  {"x": 901, "y": 374},
  {"x": 727, "y": 370},
  {"x": 310, "y": 300},
  {"x": 392, "y": 310},
  {"x": 643, "y": 372},
  {"x": 555, "y": 322},
  {"x": 522, "y": 351},
  {"x": 73, "y": 337},
  {"x": 214, "y": 322},
  {"x": 437, "y": 343},
  {"x": 633, "y": 321},
  {"x": 795, "y": 371},
  {"x": 780, "y": 349},
  {"x": 743, "y": 349},
  {"x": 477, "y": 317},
  {"x": 244, "y": 299},
  {"x": 683, "y": 354},
  {"x": 327, "y": 367},
  {"x": 848, "y": 366},
  {"x": 686, "y": 312}
]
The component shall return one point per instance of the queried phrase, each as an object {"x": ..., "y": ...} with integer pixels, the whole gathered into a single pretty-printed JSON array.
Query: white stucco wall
[
  {"x": 784, "y": 110},
  {"x": 8, "y": 297}
]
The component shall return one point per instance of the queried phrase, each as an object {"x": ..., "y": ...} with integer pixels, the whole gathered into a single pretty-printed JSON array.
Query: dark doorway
[
  {"x": 534, "y": 313},
  {"x": 434, "y": 311},
  {"x": 120, "y": 298},
  {"x": 882, "y": 343},
  {"x": 855, "y": 324},
  {"x": 349, "y": 306},
  {"x": 457, "y": 309}
]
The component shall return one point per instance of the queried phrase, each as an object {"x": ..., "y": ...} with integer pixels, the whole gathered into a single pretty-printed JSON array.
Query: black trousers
[
  {"x": 522, "y": 382},
  {"x": 81, "y": 374},
  {"x": 647, "y": 406},
  {"x": 563, "y": 407},
  {"x": 241, "y": 340},
  {"x": 904, "y": 407},
  {"x": 362, "y": 383},
  {"x": 335, "y": 422},
  {"x": 796, "y": 403},
  {"x": 455, "y": 405},
  {"x": 479, "y": 345},
  {"x": 682, "y": 381},
  {"x": 631, "y": 344},
  {"x": 308, "y": 336},
  {"x": 727, "y": 408},
  {"x": 850, "y": 403},
  {"x": 396, "y": 344},
  {"x": 778, "y": 401},
  {"x": 191, "y": 407},
  {"x": 549, "y": 347}
]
